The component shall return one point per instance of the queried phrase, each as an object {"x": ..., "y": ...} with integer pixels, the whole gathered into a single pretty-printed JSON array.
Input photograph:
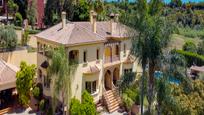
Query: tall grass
[{"x": 192, "y": 33}]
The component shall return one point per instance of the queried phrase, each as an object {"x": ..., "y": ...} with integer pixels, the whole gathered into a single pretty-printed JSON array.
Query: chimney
[
  {"x": 91, "y": 16},
  {"x": 63, "y": 16},
  {"x": 94, "y": 22},
  {"x": 111, "y": 22}
]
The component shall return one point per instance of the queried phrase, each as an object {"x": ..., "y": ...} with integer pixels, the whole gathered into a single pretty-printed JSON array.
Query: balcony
[{"x": 110, "y": 59}]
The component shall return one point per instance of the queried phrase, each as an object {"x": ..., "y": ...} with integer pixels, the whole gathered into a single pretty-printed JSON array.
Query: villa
[{"x": 102, "y": 50}]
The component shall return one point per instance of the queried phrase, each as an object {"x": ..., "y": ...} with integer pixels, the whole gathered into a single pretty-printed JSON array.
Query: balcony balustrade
[{"x": 110, "y": 59}]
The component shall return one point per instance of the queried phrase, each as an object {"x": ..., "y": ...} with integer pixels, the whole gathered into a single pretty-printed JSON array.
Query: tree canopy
[{"x": 24, "y": 82}]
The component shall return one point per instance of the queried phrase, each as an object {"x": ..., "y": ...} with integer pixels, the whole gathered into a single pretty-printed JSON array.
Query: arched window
[{"x": 74, "y": 55}]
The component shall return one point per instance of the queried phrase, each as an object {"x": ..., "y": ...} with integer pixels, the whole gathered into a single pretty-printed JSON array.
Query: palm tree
[
  {"x": 154, "y": 35},
  {"x": 61, "y": 72}
]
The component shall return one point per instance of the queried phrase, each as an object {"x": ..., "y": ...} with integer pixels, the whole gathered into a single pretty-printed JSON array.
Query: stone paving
[{"x": 27, "y": 111}]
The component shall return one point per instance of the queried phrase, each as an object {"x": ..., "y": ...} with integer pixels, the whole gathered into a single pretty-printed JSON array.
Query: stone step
[
  {"x": 6, "y": 110},
  {"x": 112, "y": 100}
]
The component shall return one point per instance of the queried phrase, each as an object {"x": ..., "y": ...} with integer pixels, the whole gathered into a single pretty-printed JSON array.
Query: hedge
[{"x": 192, "y": 57}]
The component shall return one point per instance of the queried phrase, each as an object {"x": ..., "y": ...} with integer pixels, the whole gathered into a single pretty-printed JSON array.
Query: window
[
  {"x": 97, "y": 54},
  {"x": 74, "y": 55},
  {"x": 91, "y": 87},
  {"x": 124, "y": 48},
  {"x": 1, "y": 2},
  {"x": 40, "y": 74},
  {"x": 117, "y": 50},
  {"x": 85, "y": 56},
  {"x": 47, "y": 81},
  {"x": 127, "y": 71}
]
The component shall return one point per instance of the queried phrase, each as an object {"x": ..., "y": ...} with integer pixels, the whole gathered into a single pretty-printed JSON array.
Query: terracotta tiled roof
[
  {"x": 7, "y": 75},
  {"x": 82, "y": 32},
  {"x": 91, "y": 69}
]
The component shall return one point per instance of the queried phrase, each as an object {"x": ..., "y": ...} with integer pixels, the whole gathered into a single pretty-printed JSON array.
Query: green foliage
[
  {"x": 31, "y": 31},
  {"x": 75, "y": 107},
  {"x": 189, "y": 102},
  {"x": 200, "y": 49},
  {"x": 192, "y": 33},
  {"x": 192, "y": 57},
  {"x": 32, "y": 13},
  {"x": 87, "y": 107},
  {"x": 49, "y": 111},
  {"x": 25, "y": 38},
  {"x": 42, "y": 105},
  {"x": 18, "y": 19},
  {"x": 12, "y": 7},
  {"x": 127, "y": 80},
  {"x": 189, "y": 46},
  {"x": 127, "y": 101},
  {"x": 8, "y": 38},
  {"x": 24, "y": 81},
  {"x": 61, "y": 72},
  {"x": 88, "y": 104},
  {"x": 36, "y": 92},
  {"x": 176, "y": 3},
  {"x": 81, "y": 12}
]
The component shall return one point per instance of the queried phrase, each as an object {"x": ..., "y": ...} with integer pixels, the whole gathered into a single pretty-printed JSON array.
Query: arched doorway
[
  {"x": 115, "y": 76},
  {"x": 108, "y": 80}
]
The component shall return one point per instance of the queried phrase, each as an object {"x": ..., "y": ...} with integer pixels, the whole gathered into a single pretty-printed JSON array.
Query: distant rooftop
[{"x": 7, "y": 75}]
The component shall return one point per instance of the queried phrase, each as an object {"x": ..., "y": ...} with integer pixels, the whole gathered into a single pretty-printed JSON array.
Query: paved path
[
  {"x": 28, "y": 111},
  {"x": 114, "y": 113}
]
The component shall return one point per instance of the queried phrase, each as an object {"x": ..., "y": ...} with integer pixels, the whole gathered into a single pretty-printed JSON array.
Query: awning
[
  {"x": 197, "y": 68},
  {"x": 7, "y": 75},
  {"x": 91, "y": 69}
]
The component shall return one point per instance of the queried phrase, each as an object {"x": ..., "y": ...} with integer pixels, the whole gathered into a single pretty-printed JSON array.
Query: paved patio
[{"x": 27, "y": 111}]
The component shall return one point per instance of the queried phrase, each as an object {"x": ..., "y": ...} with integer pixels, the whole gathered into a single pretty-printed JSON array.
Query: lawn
[{"x": 179, "y": 40}]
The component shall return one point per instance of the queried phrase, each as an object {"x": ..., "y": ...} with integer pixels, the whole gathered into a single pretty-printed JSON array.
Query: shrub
[
  {"x": 189, "y": 32},
  {"x": 8, "y": 38},
  {"x": 192, "y": 57},
  {"x": 36, "y": 92},
  {"x": 42, "y": 105},
  {"x": 127, "y": 80},
  {"x": 49, "y": 111},
  {"x": 88, "y": 104},
  {"x": 127, "y": 101},
  {"x": 75, "y": 107},
  {"x": 200, "y": 49},
  {"x": 25, "y": 38},
  {"x": 87, "y": 107},
  {"x": 190, "y": 47},
  {"x": 18, "y": 19}
]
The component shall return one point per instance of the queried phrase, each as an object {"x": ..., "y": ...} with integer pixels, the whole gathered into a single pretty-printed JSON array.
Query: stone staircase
[
  {"x": 112, "y": 100},
  {"x": 6, "y": 110}
]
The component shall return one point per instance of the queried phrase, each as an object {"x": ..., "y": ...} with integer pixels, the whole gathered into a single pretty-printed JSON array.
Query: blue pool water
[
  {"x": 167, "y": 1},
  {"x": 159, "y": 74}
]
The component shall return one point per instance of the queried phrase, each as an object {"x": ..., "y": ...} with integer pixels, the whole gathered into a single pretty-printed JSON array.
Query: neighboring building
[
  {"x": 102, "y": 51},
  {"x": 40, "y": 5},
  {"x": 2, "y": 7},
  {"x": 7, "y": 83}
]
